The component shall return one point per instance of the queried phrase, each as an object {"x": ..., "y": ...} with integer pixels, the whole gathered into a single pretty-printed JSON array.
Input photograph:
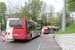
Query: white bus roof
[
  {"x": 13, "y": 18},
  {"x": 56, "y": 27},
  {"x": 34, "y": 22},
  {"x": 51, "y": 27}
]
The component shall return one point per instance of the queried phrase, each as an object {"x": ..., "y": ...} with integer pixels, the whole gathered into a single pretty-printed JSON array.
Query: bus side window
[{"x": 30, "y": 26}]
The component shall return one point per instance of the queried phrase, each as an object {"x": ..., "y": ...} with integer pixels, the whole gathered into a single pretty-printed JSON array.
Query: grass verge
[{"x": 70, "y": 29}]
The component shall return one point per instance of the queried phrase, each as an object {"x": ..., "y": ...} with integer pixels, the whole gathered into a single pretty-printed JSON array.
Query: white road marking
[
  {"x": 41, "y": 42},
  {"x": 39, "y": 45}
]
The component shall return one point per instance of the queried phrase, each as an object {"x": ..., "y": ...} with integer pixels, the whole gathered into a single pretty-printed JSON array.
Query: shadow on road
[
  {"x": 19, "y": 41},
  {"x": 22, "y": 41}
]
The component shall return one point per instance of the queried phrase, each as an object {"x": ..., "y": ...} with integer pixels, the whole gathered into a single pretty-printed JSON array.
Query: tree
[
  {"x": 51, "y": 9},
  {"x": 55, "y": 20},
  {"x": 2, "y": 13},
  {"x": 43, "y": 11},
  {"x": 43, "y": 20},
  {"x": 59, "y": 16},
  {"x": 43, "y": 8},
  {"x": 68, "y": 18},
  {"x": 13, "y": 8},
  {"x": 32, "y": 9},
  {"x": 71, "y": 5}
]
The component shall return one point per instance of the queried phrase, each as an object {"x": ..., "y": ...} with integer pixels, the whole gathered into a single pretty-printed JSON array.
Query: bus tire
[
  {"x": 40, "y": 34},
  {"x": 15, "y": 40}
]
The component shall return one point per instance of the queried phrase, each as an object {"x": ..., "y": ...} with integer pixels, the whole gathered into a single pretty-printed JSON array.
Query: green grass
[
  {"x": 69, "y": 29},
  {"x": 53, "y": 36}
]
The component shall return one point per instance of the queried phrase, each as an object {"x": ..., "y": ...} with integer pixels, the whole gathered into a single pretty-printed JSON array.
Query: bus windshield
[
  {"x": 16, "y": 23},
  {"x": 45, "y": 28}
]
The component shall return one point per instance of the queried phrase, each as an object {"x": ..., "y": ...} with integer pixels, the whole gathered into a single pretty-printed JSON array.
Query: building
[{"x": 49, "y": 16}]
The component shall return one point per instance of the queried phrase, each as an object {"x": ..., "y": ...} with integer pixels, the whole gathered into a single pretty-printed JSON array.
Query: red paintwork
[
  {"x": 8, "y": 33},
  {"x": 20, "y": 31},
  {"x": 46, "y": 30},
  {"x": 28, "y": 36}
]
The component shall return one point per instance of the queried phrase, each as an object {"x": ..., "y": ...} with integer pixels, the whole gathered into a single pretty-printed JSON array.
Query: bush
[{"x": 4, "y": 27}]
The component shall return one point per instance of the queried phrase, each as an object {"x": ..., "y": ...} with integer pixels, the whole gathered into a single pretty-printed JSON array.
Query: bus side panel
[
  {"x": 28, "y": 32},
  {"x": 25, "y": 27}
]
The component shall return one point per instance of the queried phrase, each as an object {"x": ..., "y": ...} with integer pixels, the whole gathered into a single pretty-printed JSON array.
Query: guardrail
[{"x": 66, "y": 41}]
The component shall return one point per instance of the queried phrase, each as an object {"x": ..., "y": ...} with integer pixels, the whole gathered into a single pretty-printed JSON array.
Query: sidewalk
[{"x": 48, "y": 43}]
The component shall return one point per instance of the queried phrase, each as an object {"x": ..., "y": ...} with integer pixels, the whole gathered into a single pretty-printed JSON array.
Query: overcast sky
[{"x": 58, "y": 5}]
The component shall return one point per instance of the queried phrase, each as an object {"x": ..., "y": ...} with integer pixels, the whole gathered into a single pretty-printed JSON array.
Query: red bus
[
  {"x": 46, "y": 30},
  {"x": 19, "y": 28},
  {"x": 50, "y": 29}
]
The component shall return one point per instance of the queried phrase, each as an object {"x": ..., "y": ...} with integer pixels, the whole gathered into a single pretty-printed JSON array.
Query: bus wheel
[
  {"x": 15, "y": 40},
  {"x": 40, "y": 34}
]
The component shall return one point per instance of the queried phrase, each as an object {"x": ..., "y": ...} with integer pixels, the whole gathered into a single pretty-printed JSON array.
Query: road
[
  {"x": 0, "y": 32},
  {"x": 44, "y": 42}
]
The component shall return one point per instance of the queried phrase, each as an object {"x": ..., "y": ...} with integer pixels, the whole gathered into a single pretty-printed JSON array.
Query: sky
[{"x": 58, "y": 4}]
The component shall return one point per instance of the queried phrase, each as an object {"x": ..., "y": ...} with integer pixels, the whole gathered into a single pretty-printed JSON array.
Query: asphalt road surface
[{"x": 44, "y": 42}]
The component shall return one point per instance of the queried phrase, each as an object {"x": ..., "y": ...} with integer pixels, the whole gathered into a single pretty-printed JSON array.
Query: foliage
[
  {"x": 4, "y": 27},
  {"x": 2, "y": 13},
  {"x": 56, "y": 25},
  {"x": 51, "y": 14},
  {"x": 32, "y": 10},
  {"x": 69, "y": 29},
  {"x": 43, "y": 19},
  {"x": 2, "y": 7},
  {"x": 71, "y": 5},
  {"x": 55, "y": 20},
  {"x": 43, "y": 8},
  {"x": 68, "y": 18}
]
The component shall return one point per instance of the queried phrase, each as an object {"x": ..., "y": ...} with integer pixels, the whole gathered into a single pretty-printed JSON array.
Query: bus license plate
[{"x": 15, "y": 34}]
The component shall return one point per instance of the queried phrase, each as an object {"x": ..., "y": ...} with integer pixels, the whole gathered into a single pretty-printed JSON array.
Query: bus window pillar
[
  {"x": 56, "y": 30},
  {"x": 52, "y": 30}
]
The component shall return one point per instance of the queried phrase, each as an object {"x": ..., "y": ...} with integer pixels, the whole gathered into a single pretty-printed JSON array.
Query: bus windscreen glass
[
  {"x": 45, "y": 28},
  {"x": 16, "y": 23}
]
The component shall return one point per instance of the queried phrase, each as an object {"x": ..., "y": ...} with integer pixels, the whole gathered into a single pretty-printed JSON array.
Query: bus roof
[
  {"x": 51, "y": 27},
  {"x": 34, "y": 22},
  {"x": 14, "y": 18}
]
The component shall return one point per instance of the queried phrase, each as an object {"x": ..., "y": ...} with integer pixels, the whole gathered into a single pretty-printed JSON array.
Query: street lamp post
[{"x": 64, "y": 16}]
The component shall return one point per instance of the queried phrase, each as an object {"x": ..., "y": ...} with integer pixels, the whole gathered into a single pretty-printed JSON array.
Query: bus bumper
[{"x": 18, "y": 37}]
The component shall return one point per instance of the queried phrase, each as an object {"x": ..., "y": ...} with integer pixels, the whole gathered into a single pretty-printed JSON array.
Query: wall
[{"x": 66, "y": 41}]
